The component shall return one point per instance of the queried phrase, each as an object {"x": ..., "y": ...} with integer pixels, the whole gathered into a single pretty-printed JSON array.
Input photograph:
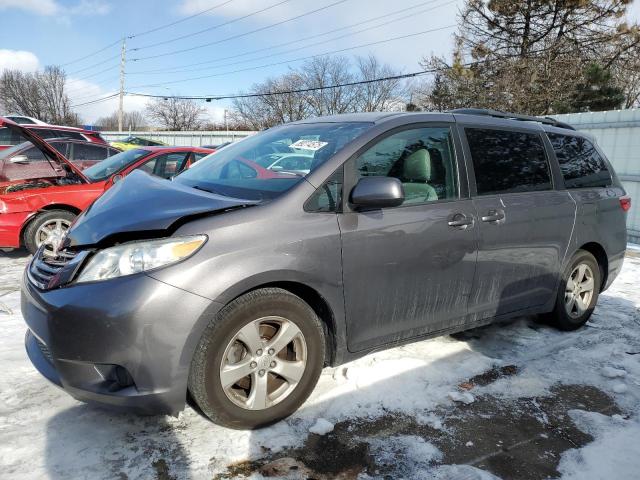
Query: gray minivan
[{"x": 234, "y": 286}]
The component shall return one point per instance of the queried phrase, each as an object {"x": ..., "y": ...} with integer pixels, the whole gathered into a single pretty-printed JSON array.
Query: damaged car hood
[{"x": 143, "y": 206}]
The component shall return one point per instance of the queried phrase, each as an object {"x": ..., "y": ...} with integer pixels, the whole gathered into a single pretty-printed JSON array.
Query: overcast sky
[{"x": 36, "y": 33}]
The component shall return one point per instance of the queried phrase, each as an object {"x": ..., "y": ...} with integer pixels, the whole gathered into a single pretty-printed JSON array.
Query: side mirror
[
  {"x": 19, "y": 159},
  {"x": 377, "y": 192}
]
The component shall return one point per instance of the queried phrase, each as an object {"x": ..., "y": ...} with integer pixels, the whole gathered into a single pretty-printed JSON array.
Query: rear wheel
[
  {"x": 47, "y": 228},
  {"x": 258, "y": 360},
  {"x": 578, "y": 292}
]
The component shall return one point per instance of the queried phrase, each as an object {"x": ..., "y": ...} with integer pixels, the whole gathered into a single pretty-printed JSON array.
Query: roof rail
[{"x": 512, "y": 116}]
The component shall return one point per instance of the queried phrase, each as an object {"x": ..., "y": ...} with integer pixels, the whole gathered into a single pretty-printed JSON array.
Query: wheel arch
[
  {"x": 318, "y": 303},
  {"x": 598, "y": 251},
  {"x": 47, "y": 208}
]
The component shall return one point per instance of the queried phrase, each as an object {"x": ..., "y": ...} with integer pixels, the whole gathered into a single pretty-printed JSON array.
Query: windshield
[
  {"x": 265, "y": 165},
  {"x": 113, "y": 164}
]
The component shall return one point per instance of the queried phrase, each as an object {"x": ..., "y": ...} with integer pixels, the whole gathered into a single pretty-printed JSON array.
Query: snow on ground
[{"x": 397, "y": 409}]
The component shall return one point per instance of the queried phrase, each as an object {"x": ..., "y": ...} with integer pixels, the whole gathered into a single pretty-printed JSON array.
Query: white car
[{"x": 24, "y": 120}]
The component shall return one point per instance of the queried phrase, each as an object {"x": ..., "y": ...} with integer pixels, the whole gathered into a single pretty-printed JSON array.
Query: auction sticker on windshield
[{"x": 312, "y": 145}]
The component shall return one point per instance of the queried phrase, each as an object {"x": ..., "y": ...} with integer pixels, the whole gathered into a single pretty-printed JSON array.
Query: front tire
[
  {"x": 577, "y": 293},
  {"x": 47, "y": 227},
  {"x": 258, "y": 360}
]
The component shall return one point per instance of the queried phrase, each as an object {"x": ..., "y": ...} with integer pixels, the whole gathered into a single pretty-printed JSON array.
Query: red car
[
  {"x": 38, "y": 211},
  {"x": 9, "y": 137}
]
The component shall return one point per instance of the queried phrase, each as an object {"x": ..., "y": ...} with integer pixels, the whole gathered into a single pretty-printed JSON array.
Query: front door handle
[
  {"x": 461, "y": 221},
  {"x": 493, "y": 216}
]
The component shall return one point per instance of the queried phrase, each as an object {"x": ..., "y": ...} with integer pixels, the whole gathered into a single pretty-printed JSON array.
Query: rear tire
[
  {"x": 56, "y": 222},
  {"x": 577, "y": 293},
  {"x": 258, "y": 360}
]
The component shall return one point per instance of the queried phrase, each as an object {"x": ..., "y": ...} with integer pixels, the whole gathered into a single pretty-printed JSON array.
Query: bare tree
[
  {"x": 176, "y": 114},
  {"x": 131, "y": 121},
  {"x": 323, "y": 72},
  {"x": 39, "y": 94},
  {"x": 272, "y": 108},
  {"x": 378, "y": 95}
]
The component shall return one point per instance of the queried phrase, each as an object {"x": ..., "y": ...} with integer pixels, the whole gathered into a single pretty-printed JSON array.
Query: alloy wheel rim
[
  {"x": 50, "y": 234},
  {"x": 263, "y": 363},
  {"x": 579, "y": 290}
]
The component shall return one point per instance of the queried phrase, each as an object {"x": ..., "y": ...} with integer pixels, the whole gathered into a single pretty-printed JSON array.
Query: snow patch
[
  {"x": 615, "y": 449},
  {"x": 463, "y": 397},
  {"x": 611, "y": 372},
  {"x": 321, "y": 427}
]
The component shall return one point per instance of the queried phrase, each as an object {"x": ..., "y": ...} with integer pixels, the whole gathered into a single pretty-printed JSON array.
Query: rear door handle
[
  {"x": 461, "y": 221},
  {"x": 493, "y": 216}
]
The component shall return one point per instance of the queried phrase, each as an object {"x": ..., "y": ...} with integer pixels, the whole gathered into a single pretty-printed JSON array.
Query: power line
[
  {"x": 74, "y": 80},
  {"x": 228, "y": 22},
  {"x": 94, "y": 65},
  {"x": 281, "y": 22},
  {"x": 272, "y": 47},
  {"x": 171, "y": 24},
  {"x": 161, "y": 27},
  {"x": 91, "y": 54},
  {"x": 284, "y": 92},
  {"x": 97, "y": 100},
  {"x": 401, "y": 37}
]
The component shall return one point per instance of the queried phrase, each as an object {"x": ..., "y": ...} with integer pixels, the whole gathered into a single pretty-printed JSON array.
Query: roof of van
[{"x": 467, "y": 115}]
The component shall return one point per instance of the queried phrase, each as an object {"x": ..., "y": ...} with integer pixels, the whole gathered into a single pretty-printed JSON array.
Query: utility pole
[{"x": 122, "y": 62}]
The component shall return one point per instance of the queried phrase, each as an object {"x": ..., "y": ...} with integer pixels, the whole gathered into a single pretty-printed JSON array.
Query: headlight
[{"x": 135, "y": 257}]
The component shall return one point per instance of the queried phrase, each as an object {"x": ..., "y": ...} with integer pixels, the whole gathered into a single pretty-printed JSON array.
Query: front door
[
  {"x": 408, "y": 270},
  {"x": 525, "y": 225}
]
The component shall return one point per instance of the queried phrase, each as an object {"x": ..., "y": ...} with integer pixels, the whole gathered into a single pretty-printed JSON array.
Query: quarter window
[
  {"x": 423, "y": 160},
  {"x": 507, "y": 161},
  {"x": 329, "y": 196},
  {"x": 580, "y": 163}
]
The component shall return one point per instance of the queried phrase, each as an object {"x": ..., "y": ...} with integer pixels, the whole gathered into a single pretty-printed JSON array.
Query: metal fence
[
  {"x": 618, "y": 133},
  {"x": 196, "y": 139}
]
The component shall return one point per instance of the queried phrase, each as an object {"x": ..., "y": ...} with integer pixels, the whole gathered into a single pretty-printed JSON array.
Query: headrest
[{"x": 417, "y": 166}]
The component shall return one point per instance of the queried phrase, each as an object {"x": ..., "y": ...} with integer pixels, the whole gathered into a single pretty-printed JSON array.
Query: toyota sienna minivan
[{"x": 235, "y": 290}]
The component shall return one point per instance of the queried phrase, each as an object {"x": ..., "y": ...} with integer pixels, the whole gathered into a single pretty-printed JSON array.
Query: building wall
[{"x": 618, "y": 133}]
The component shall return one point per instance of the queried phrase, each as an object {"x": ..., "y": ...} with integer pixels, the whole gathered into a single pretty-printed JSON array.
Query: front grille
[
  {"x": 44, "y": 268},
  {"x": 45, "y": 350}
]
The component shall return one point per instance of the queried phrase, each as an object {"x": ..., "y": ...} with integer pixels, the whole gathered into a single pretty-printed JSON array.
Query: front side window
[
  {"x": 34, "y": 154},
  {"x": 421, "y": 158},
  {"x": 253, "y": 169},
  {"x": 580, "y": 163},
  {"x": 508, "y": 162}
]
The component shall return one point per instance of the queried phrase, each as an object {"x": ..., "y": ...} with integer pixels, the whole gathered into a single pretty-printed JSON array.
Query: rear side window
[
  {"x": 9, "y": 137},
  {"x": 83, "y": 151},
  {"x": 507, "y": 161},
  {"x": 580, "y": 162}
]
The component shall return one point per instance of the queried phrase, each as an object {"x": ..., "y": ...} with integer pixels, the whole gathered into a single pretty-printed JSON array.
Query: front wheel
[
  {"x": 578, "y": 292},
  {"x": 258, "y": 360},
  {"x": 47, "y": 228}
]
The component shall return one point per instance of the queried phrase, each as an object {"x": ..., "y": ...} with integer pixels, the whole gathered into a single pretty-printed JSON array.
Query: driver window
[{"x": 421, "y": 158}]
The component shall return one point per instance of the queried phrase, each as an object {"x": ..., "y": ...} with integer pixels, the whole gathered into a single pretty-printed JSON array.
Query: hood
[
  {"x": 142, "y": 206},
  {"x": 43, "y": 146}
]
